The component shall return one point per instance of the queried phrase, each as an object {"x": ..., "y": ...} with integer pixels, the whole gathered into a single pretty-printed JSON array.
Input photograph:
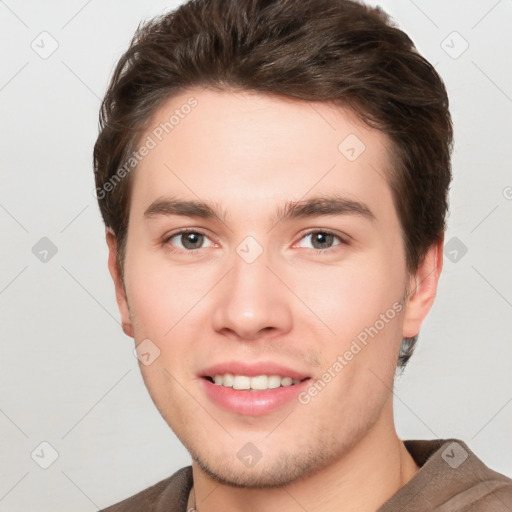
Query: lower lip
[{"x": 252, "y": 403}]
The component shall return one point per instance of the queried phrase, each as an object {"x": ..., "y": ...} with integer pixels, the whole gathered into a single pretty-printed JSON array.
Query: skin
[{"x": 297, "y": 305}]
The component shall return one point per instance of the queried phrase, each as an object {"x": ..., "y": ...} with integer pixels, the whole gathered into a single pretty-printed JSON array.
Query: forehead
[{"x": 248, "y": 149}]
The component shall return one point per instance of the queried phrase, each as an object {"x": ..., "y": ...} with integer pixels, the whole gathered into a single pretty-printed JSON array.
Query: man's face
[{"x": 259, "y": 286}]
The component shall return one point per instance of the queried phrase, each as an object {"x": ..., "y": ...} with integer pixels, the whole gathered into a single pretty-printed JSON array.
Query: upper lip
[{"x": 252, "y": 370}]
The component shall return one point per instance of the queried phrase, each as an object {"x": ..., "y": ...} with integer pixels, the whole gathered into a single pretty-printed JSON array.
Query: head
[{"x": 312, "y": 136}]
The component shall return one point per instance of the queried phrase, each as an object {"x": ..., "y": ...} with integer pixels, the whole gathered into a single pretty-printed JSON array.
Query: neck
[{"x": 362, "y": 480}]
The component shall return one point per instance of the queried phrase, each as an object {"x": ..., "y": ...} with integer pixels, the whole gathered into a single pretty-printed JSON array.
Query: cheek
[
  {"x": 162, "y": 295},
  {"x": 351, "y": 298},
  {"x": 361, "y": 305},
  {"x": 360, "y": 359}
]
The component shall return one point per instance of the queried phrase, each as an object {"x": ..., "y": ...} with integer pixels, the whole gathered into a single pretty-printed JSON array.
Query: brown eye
[
  {"x": 320, "y": 240},
  {"x": 192, "y": 240},
  {"x": 189, "y": 240}
]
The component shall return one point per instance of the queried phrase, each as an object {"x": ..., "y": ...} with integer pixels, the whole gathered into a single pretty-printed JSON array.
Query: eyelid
[
  {"x": 168, "y": 236},
  {"x": 343, "y": 238}
]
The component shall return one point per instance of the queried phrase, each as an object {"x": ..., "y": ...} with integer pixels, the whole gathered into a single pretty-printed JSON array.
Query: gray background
[{"x": 68, "y": 375}]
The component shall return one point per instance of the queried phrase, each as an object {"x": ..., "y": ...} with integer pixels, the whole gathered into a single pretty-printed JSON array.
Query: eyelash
[
  {"x": 190, "y": 252},
  {"x": 342, "y": 240}
]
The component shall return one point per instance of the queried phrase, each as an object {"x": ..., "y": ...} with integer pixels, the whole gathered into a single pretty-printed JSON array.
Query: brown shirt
[{"x": 451, "y": 478}]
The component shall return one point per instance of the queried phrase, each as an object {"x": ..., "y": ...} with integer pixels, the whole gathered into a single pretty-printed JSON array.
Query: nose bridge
[{"x": 252, "y": 298}]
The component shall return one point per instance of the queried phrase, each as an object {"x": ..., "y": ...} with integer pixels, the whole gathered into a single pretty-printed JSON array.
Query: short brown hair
[{"x": 336, "y": 51}]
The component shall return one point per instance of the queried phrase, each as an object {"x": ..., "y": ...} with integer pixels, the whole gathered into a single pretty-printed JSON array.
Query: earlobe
[
  {"x": 122, "y": 302},
  {"x": 422, "y": 290}
]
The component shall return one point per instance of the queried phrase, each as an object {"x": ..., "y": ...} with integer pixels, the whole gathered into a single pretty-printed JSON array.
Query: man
[{"x": 273, "y": 176}]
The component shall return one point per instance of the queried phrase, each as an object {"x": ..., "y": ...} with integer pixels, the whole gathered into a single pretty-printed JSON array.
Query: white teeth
[
  {"x": 226, "y": 380},
  {"x": 260, "y": 383},
  {"x": 241, "y": 382},
  {"x": 274, "y": 381}
]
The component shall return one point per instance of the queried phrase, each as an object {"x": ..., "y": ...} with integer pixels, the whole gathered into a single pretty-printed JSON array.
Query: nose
[{"x": 252, "y": 302}]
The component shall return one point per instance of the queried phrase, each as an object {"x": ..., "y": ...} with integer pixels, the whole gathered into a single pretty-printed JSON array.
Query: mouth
[
  {"x": 252, "y": 389},
  {"x": 257, "y": 383}
]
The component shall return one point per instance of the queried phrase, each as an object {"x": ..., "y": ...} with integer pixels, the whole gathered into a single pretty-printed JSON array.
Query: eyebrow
[
  {"x": 323, "y": 205},
  {"x": 316, "y": 206},
  {"x": 164, "y": 206}
]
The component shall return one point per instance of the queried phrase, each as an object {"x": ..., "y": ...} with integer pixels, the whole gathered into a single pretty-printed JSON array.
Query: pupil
[
  {"x": 324, "y": 240},
  {"x": 192, "y": 240}
]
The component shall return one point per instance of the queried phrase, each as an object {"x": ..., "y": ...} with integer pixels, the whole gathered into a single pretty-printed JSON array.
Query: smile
[{"x": 257, "y": 383}]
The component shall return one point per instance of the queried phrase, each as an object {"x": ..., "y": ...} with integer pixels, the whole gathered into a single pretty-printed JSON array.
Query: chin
[{"x": 277, "y": 471}]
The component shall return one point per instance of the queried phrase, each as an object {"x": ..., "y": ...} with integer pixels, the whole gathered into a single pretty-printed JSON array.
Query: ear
[
  {"x": 422, "y": 289},
  {"x": 122, "y": 301}
]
